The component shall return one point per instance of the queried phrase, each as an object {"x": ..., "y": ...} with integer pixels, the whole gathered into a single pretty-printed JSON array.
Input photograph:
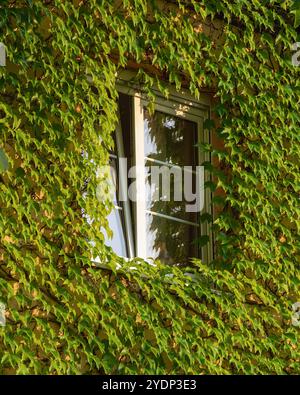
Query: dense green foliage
[{"x": 64, "y": 315}]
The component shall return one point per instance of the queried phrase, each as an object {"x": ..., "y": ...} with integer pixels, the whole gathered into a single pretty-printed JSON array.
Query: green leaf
[
  {"x": 203, "y": 240},
  {"x": 209, "y": 124}
]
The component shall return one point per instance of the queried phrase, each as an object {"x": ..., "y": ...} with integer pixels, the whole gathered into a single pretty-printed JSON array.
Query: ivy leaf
[
  {"x": 297, "y": 18},
  {"x": 296, "y": 10},
  {"x": 203, "y": 240},
  {"x": 209, "y": 124}
]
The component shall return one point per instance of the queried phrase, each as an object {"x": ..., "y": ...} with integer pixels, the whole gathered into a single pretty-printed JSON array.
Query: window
[{"x": 151, "y": 220}]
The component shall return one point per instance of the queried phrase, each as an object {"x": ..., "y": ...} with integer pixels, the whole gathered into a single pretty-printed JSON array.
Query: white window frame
[{"x": 181, "y": 105}]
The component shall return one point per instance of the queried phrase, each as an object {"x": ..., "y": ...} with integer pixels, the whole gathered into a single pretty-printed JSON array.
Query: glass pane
[
  {"x": 171, "y": 241},
  {"x": 118, "y": 242},
  {"x": 165, "y": 192},
  {"x": 170, "y": 139}
]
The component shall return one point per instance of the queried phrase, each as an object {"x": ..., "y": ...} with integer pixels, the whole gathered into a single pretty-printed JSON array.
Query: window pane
[
  {"x": 118, "y": 241},
  {"x": 165, "y": 192},
  {"x": 171, "y": 241},
  {"x": 170, "y": 139}
]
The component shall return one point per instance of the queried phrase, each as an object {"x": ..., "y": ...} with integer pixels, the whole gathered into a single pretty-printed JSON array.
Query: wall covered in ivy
[{"x": 64, "y": 314}]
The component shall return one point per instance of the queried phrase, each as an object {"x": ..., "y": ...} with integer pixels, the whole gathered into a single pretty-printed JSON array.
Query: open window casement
[
  {"x": 120, "y": 218},
  {"x": 150, "y": 221}
]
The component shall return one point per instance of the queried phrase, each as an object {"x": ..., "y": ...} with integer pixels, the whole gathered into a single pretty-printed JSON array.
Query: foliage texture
[{"x": 63, "y": 313}]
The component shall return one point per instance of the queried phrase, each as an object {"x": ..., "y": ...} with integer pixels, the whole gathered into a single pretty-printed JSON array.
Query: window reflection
[
  {"x": 170, "y": 139},
  {"x": 170, "y": 241},
  {"x": 171, "y": 232},
  {"x": 159, "y": 202}
]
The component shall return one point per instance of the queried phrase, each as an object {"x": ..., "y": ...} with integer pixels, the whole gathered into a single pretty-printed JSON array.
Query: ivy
[{"x": 58, "y": 110}]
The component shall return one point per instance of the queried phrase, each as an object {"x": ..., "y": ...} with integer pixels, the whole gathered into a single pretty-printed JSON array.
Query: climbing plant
[{"x": 58, "y": 111}]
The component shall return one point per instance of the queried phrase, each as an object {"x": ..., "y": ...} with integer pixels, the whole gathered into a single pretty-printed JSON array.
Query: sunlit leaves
[{"x": 58, "y": 111}]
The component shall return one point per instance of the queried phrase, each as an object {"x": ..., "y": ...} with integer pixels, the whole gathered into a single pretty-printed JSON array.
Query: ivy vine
[{"x": 63, "y": 313}]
